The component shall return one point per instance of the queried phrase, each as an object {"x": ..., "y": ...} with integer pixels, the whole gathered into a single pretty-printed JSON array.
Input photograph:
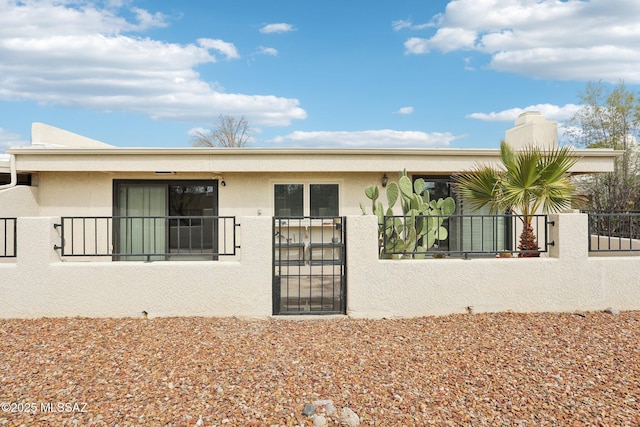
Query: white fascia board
[{"x": 433, "y": 160}]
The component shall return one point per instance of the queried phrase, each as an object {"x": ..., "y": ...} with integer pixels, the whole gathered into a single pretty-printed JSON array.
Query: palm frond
[
  {"x": 480, "y": 187},
  {"x": 533, "y": 179},
  {"x": 556, "y": 190},
  {"x": 507, "y": 154}
]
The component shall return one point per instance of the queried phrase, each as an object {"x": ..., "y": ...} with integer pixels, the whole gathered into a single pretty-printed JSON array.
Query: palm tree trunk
[{"x": 528, "y": 241}]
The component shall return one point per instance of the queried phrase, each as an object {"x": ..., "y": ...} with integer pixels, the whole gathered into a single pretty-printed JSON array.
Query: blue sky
[{"x": 330, "y": 73}]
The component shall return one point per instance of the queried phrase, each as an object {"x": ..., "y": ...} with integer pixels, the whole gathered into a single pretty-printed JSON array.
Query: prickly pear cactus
[{"x": 421, "y": 224}]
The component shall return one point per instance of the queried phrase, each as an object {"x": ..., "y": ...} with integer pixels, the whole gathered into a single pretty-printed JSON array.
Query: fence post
[
  {"x": 36, "y": 239},
  {"x": 570, "y": 235},
  {"x": 362, "y": 255},
  {"x": 256, "y": 238}
]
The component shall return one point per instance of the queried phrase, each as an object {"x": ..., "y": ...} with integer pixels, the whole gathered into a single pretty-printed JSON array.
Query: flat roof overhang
[{"x": 220, "y": 160}]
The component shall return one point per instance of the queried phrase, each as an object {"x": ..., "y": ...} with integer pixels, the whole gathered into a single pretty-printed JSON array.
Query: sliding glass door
[
  {"x": 173, "y": 219},
  {"x": 192, "y": 227},
  {"x": 140, "y": 229}
]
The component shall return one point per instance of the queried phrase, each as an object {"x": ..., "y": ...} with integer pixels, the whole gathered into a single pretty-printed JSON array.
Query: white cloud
[
  {"x": 549, "y": 111},
  {"x": 565, "y": 40},
  {"x": 277, "y": 28},
  {"x": 445, "y": 39},
  {"x": 402, "y": 24},
  {"x": 228, "y": 49},
  {"x": 92, "y": 62},
  {"x": 405, "y": 110},
  {"x": 416, "y": 46},
  {"x": 38, "y": 19},
  {"x": 467, "y": 64},
  {"x": 384, "y": 138},
  {"x": 147, "y": 20},
  {"x": 197, "y": 131},
  {"x": 568, "y": 134},
  {"x": 10, "y": 139},
  {"x": 267, "y": 51}
]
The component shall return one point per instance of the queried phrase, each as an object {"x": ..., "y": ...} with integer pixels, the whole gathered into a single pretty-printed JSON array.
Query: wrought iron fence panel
[
  {"x": 614, "y": 231},
  {"x": 8, "y": 237},
  {"x": 130, "y": 238},
  {"x": 309, "y": 265},
  {"x": 462, "y": 235}
]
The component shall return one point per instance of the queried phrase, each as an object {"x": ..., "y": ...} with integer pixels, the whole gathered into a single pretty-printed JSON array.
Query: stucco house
[
  {"x": 64, "y": 174},
  {"x": 103, "y": 204}
]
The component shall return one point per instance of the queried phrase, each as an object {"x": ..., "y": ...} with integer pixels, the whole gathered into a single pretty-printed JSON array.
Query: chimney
[{"x": 532, "y": 129}]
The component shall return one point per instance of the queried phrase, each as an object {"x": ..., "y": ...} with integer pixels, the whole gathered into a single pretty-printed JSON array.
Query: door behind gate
[{"x": 309, "y": 265}]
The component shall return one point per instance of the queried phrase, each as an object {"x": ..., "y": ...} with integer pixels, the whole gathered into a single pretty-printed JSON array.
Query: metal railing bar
[
  {"x": 72, "y": 235},
  {"x": 9, "y": 243},
  {"x": 144, "y": 232},
  {"x": 143, "y": 240},
  {"x": 613, "y": 231},
  {"x": 480, "y": 236}
]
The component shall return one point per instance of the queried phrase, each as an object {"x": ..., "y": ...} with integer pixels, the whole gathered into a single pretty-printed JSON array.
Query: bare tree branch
[
  {"x": 229, "y": 132},
  {"x": 610, "y": 118}
]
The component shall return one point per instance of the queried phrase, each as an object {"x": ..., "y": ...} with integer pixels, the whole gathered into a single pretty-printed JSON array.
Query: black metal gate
[{"x": 309, "y": 265}]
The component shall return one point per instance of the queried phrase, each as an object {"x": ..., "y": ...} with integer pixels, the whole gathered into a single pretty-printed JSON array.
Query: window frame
[
  {"x": 456, "y": 237},
  {"x": 306, "y": 193},
  {"x": 166, "y": 183}
]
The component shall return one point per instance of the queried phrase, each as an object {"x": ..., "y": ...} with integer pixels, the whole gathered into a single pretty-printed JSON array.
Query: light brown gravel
[{"x": 461, "y": 370}]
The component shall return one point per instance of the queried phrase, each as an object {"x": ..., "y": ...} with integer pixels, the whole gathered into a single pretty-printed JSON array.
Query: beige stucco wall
[
  {"x": 39, "y": 283},
  {"x": 244, "y": 194},
  {"x": 91, "y": 194},
  {"x": 75, "y": 194},
  {"x": 51, "y": 136},
  {"x": 567, "y": 280},
  {"x": 19, "y": 201},
  {"x": 606, "y": 244}
]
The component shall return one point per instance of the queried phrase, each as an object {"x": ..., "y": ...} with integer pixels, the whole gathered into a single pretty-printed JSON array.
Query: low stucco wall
[
  {"x": 18, "y": 201},
  {"x": 566, "y": 280},
  {"x": 607, "y": 244},
  {"x": 38, "y": 283}
]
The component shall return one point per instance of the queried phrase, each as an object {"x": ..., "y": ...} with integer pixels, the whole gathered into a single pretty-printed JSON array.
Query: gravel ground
[{"x": 462, "y": 370}]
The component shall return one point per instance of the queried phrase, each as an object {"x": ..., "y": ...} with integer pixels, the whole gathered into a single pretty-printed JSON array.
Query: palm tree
[{"x": 529, "y": 180}]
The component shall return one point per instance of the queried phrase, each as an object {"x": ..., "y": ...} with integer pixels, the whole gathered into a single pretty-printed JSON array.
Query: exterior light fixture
[{"x": 385, "y": 180}]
